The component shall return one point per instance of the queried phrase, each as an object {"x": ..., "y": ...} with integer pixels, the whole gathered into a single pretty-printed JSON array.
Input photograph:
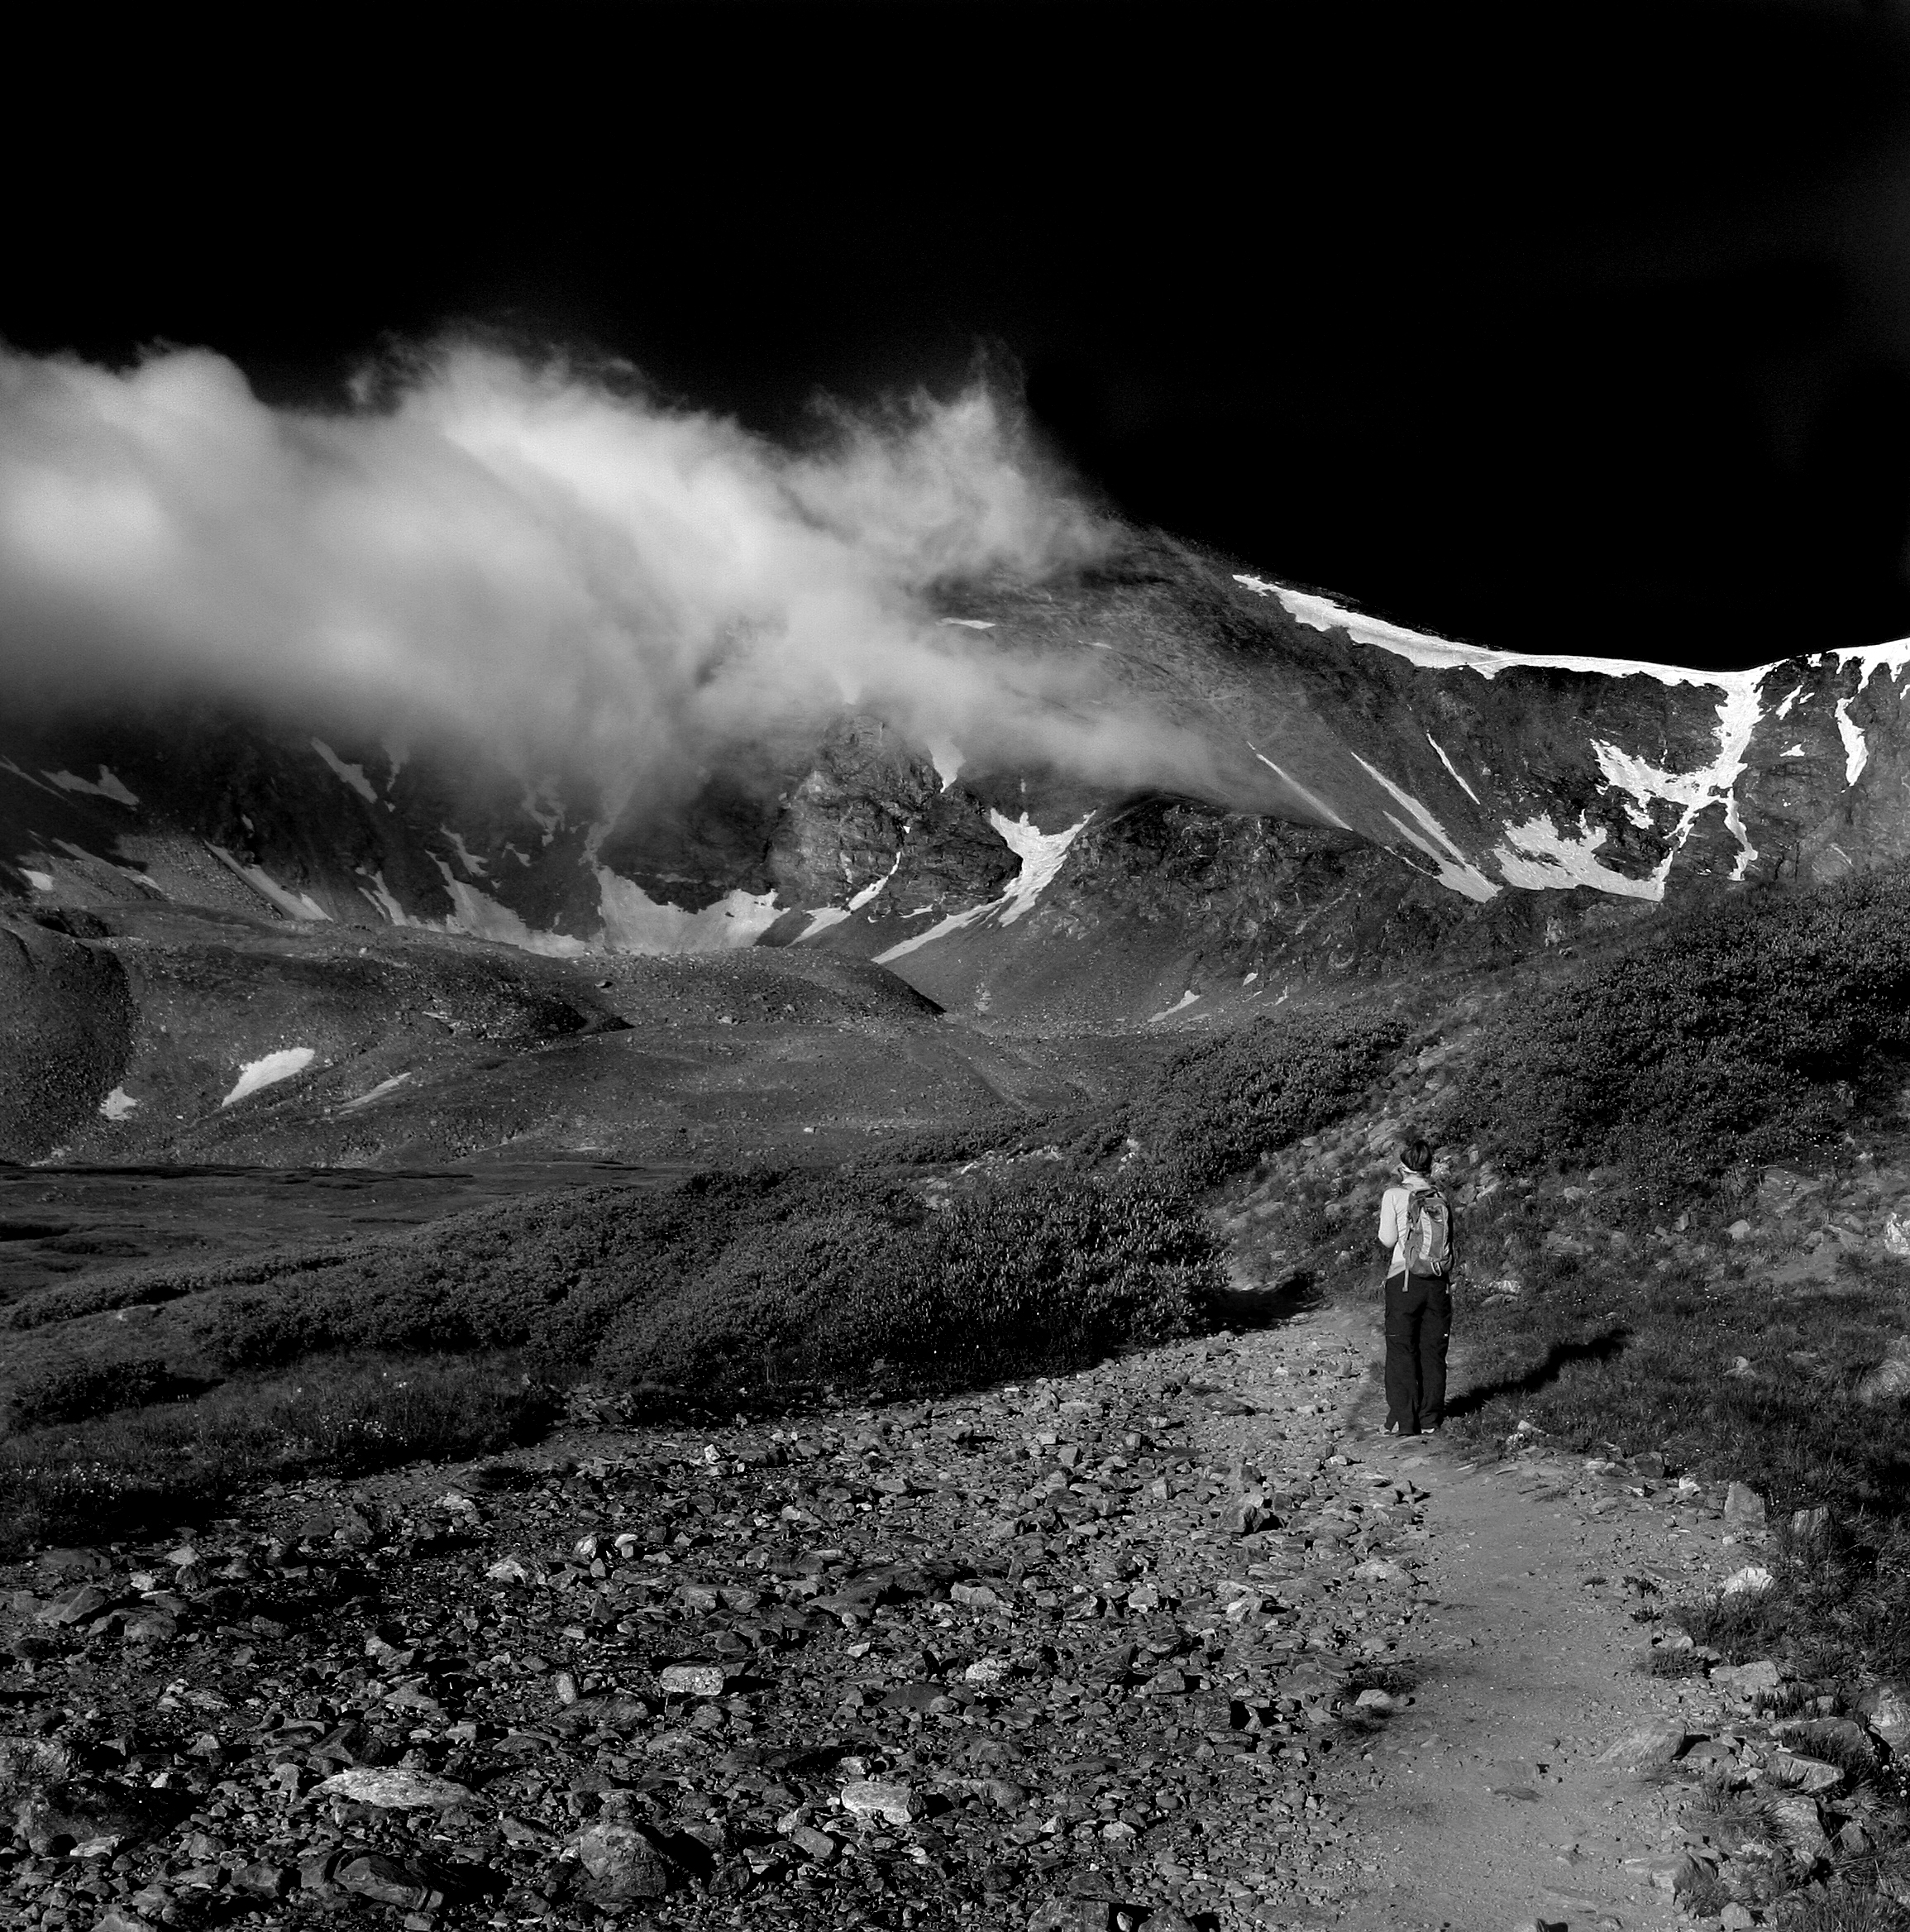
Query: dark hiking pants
[{"x": 1418, "y": 1319}]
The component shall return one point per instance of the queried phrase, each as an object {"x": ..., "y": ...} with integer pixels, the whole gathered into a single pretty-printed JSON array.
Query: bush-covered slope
[
  {"x": 729, "y": 1281},
  {"x": 1745, "y": 1034}
]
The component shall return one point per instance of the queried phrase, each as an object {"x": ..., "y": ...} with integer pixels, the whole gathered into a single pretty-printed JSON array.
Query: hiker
[{"x": 1415, "y": 1229}]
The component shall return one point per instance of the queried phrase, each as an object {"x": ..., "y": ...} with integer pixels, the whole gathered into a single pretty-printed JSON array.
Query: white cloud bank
[{"x": 548, "y": 558}]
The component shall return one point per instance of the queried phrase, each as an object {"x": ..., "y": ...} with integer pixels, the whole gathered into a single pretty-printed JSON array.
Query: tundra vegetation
[{"x": 1676, "y": 1166}]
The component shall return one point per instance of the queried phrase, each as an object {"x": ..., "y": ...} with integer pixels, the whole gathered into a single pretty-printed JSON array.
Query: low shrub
[
  {"x": 1021, "y": 1269},
  {"x": 1220, "y": 1105},
  {"x": 490, "y": 1277},
  {"x": 1037, "y": 1262},
  {"x": 1744, "y": 1034},
  {"x": 960, "y": 1141},
  {"x": 1210, "y": 1112},
  {"x": 778, "y": 1299},
  {"x": 71, "y": 1388},
  {"x": 732, "y": 1279},
  {"x": 168, "y": 1463},
  {"x": 148, "y": 1287}
]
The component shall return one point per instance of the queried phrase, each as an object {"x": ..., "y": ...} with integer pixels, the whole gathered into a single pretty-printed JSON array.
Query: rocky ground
[{"x": 1182, "y": 1639}]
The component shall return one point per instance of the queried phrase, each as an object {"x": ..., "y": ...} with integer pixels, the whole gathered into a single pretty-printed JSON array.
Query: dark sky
[{"x": 1555, "y": 329}]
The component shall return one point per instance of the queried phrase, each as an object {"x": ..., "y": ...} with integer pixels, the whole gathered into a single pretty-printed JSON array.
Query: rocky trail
[{"x": 1181, "y": 1640}]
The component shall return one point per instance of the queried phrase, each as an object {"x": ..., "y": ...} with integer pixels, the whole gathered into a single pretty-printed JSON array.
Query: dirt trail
[{"x": 1490, "y": 1799}]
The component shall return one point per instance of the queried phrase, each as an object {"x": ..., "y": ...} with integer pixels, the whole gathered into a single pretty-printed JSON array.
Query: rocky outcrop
[{"x": 66, "y": 1029}]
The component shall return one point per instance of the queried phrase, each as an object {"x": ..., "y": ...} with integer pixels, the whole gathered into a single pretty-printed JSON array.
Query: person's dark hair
[{"x": 1417, "y": 1153}]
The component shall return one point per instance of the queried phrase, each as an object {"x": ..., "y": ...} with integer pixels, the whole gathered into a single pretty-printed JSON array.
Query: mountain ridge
[
  {"x": 1267, "y": 797},
  {"x": 1485, "y": 773}
]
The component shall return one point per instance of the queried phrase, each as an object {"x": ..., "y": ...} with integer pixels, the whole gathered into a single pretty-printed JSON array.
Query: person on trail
[{"x": 1415, "y": 1229}]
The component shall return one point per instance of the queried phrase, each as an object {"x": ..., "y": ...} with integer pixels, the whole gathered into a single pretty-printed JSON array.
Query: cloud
[{"x": 546, "y": 557}]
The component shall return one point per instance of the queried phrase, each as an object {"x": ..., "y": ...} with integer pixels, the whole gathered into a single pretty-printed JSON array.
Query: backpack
[{"x": 1428, "y": 1241}]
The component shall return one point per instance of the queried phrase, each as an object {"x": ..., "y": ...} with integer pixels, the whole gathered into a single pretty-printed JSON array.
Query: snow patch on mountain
[
  {"x": 117, "y": 1106},
  {"x": 1180, "y": 1006},
  {"x": 1041, "y": 854},
  {"x": 27, "y": 778},
  {"x": 857, "y": 900},
  {"x": 1448, "y": 764},
  {"x": 41, "y": 881},
  {"x": 1893, "y": 657},
  {"x": 108, "y": 787},
  {"x": 125, "y": 872},
  {"x": 1856, "y": 747},
  {"x": 299, "y": 906},
  {"x": 1456, "y": 870},
  {"x": 633, "y": 922},
  {"x": 268, "y": 1071},
  {"x": 947, "y": 760},
  {"x": 941, "y": 929},
  {"x": 377, "y": 1093},
  {"x": 484, "y": 918},
  {"x": 383, "y": 898},
  {"x": 1643, "y": 782},
  {"x": 822, "y": 919},
  {"x": 352, "y": 775},
  {"x": 1437, "y": 653},
  {"x": 1546, "y": 860},
  {"x": 474, "y": 866},
  {"x": 1311, "y": 799}
]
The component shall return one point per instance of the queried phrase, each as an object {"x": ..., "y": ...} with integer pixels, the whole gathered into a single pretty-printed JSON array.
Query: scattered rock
[
  {"x": 870, "y": 1798},
  {"x": 395, "y": 1790},
  {"x": 77, "y": 1606},
  {"x": 387, "y": 1882},
  {"x": 1795, "y": 1819},
  {"x": 1743, "y": 1509},
  {"x": 1749, "y": 1681},
  {"x": 1812, "y": 1735},
  {"x": 263, "y": 1879},
  {"x": 1810, "y": 1775},
  {"x": 1889, "y": 1381},
  {"x": 812, "y": 1843},
  {"x": 1752, "y": 1580},
  {"x": 82, "y": 1821},
  {"x": 1650, "y": 1749},
  {"x": 692, "y": 1680},
  {"x": 623, "y": 1862},
  {"x": 1072, "y": 1915},
  {"x": 32, "y": 1761},
  {"x": 1886, "y": 1709}
]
